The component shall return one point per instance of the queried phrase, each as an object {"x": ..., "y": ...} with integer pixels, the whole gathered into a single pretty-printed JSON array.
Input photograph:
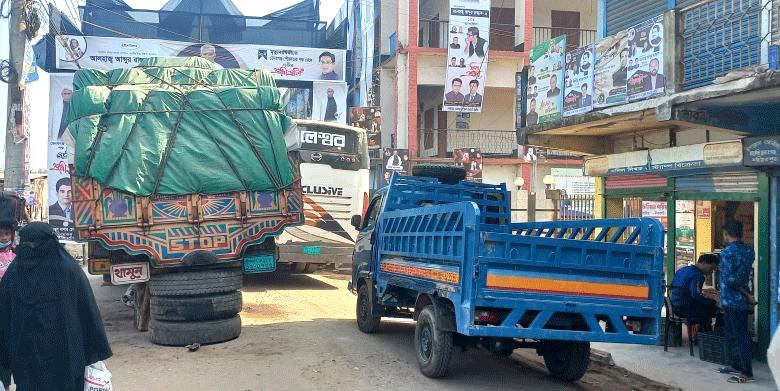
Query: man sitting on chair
[{"x": 686, "y": 295}]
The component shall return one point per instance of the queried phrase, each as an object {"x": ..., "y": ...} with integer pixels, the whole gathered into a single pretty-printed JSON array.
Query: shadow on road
[{"x": 284, "y": 281}]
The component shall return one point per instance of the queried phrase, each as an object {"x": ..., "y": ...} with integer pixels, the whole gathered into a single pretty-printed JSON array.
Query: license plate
[
  {"x": 312, "y": 250},
  {"x": 130, "y": 273},
  {"x": 99, "y": 266},
  {"x": 259, "y": 264}
]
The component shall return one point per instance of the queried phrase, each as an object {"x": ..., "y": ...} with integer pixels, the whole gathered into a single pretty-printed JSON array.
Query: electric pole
[{"x": 16, "y": 135}]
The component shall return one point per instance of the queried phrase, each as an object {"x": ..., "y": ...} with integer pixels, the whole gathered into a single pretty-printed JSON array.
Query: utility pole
[{"x": 16, "y": 135}]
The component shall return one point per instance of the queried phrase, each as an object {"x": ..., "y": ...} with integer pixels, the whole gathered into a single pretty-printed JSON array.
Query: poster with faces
[
  {"x": 60, "y": 210},
  {"x": 330, "y": 101},
  {"x": 545, "y": 82},
  {"x": 646, "y": 59},
  {"x": 578, "y": 81},
  {"x": 467, "y": 55},
  {"x": 611, "y": 71}
]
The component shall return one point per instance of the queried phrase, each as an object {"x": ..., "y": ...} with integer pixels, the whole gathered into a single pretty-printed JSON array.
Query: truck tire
[
  {"x": 367, "y": 321},
  {"x": 303, "y": 267},
  {"x": 196, "y": 283},
  {"x": 432, "y": 345},
  {"x": 567, "y": 360},
  {"x": 185, "y": 333},
  {"x": 210, "y": 307},
  {"x": 446, "y": 174}
]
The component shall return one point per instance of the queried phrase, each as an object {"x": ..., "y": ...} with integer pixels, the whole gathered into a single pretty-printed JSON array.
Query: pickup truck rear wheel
[
  {"x": 367, "y": 321},
  {"x": 567, "y": 360},
  {"x": 433, "y": 345}
]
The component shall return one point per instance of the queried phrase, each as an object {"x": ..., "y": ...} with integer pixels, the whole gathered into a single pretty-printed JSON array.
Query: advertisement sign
[
  {"x": 330, "y": 102},
  {"x": 545, "y": 79},
  {"x": 395, "y": 160},
  {"x": 60, "y": 193},
  {"x": 578, "y": 81},
  {"x": 656, "y": 210},
  {"x": 286, "y": 63},
  {"x": 370, "y": 119},
  {"x": 685, "y": 233},
  {"x": 467, "y": 55},
  {"x": 646, "y": 59},
  {"x": 611, "y": 70},
  {"x": 471, "y": 161}
]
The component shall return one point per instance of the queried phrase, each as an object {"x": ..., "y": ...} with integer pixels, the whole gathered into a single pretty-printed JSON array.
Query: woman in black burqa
[{"x": 50, "y": 325}]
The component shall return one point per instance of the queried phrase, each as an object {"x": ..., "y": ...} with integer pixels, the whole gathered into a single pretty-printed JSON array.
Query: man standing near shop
[{"x": 737, "y": 301}]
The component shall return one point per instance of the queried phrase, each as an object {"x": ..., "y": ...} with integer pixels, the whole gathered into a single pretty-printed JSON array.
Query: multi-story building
[{"x": 704, "y": 150}]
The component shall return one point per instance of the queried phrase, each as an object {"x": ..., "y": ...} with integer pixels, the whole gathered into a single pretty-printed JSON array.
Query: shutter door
[
  {"x": 622, "y": 14},
  {"x": 635, "y": 182},
  {"x": 731, "y": 182}
]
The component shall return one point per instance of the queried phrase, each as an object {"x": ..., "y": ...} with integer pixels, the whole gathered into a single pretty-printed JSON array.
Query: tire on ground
[
  {"x": 444, "y": 173},
  {"x": 567, "y": 360},
  {"x": 367, "y": 321},
  {"x": 196, "y": 283},
  {"x": 209, "y": 307},
  {"x": 203, "y": 332},
  {"x": 432, "y": 345}
]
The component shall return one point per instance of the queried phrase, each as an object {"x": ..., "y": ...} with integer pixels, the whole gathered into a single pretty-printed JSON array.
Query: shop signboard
[
  {"x": 611, "y": 70},
  {"x": 467, "y": 55},
  {"x": 284, "y": 62},
  {"x": 646, "y": 59},
  {"x": 370, "y": 119},
  {"x": 761, "y": 151},
  {"x": 578, "y": 81},
  {"x": 656, "y": 210},
  {"x": 395, "y": 160},
  {"x": 545, "y": 80},
  {"x": 471, "y": 161}
]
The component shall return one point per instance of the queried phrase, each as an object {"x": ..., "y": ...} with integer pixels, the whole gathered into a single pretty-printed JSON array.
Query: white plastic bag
[
  {"x": 97, "y": 377},
  {"x": 2, "y": 387}
]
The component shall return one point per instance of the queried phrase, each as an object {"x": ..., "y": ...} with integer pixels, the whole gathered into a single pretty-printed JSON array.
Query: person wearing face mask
[
  {"x": 50, "y": 325},
  {"x": 6, "y": 245}
]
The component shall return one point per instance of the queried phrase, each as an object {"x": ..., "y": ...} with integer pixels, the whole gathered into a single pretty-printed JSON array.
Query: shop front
[{"x": 693, "y": 190}]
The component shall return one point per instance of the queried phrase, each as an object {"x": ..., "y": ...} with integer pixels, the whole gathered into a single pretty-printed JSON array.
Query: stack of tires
[{"x": 195, "y": 307}]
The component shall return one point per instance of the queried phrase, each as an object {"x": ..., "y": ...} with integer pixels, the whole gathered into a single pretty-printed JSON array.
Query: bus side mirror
[{"x": 355, "y": 221}]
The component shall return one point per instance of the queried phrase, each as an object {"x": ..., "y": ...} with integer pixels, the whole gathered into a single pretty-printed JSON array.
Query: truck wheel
[
  {"x": 185, "y": 333},
  {"x": 446, "y": 174},
  {"x": 196, "y": 283},
  {"x": 311, "y": 268},
  {"x": 433, "y": 345},
  {"x": 567, "y": 360},
  {"x": 217, "y": 306},
  {"x": 367, "y": 321}
]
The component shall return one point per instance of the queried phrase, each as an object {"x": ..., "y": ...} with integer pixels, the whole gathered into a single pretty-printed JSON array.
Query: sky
[{"x": 39, "y": 90}]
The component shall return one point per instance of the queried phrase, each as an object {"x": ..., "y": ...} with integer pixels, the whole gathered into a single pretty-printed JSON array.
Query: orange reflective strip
[
  {"x": 422, "y": 272},
  {"x": 581, "y": 288}
]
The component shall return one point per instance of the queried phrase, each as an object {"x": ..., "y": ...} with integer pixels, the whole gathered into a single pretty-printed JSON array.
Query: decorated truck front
[{"x": 182, "y": 176}]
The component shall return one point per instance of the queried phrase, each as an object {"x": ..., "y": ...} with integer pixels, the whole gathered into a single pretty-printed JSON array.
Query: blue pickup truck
[{"x": 445, "y": 253}]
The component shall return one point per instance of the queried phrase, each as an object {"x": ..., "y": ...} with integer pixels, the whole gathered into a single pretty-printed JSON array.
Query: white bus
[{"x": 335, "y": 182}]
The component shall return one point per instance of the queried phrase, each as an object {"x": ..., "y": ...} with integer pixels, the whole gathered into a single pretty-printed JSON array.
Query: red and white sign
[{"x": 130, "y": 273}]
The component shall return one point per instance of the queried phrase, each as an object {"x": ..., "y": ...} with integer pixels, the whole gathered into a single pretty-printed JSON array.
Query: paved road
[{"x": 299, "y": 333}]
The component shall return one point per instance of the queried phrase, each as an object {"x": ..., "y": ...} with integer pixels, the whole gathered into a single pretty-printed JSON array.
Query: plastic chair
[{"x": 672, "y": 318}]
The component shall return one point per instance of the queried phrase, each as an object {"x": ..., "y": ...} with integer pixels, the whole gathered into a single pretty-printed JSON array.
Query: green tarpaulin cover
[{"x": 179, "y": 126}]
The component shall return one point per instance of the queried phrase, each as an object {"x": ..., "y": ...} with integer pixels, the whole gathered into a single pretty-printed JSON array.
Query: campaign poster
[
  {"x": 467, "y": 55},
  {"x": 329, "y": 102},
  {"x": 60, "y": 190},
  {"x": 545, "y": 80},
  {"x": 395, "y": 160},
  {"x": 646, "y": 59},
  {"x": 370, "y": 119},
  {"x": 285, "y": 63},
  {"x": 578, "y": 81},
  {"x": 471, "y": 161},
  {"x": 611, "y": 71}
]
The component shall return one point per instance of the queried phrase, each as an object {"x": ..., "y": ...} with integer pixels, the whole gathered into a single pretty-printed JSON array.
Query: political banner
[
  {"x": 611, "y": 71},
  {"x": 646, "y": 59},
  {"x": 578, "y": 81},
  {"x": 545, "y": 79},
  {"x": 329, "y": 101},
  {"x": 60, "y": 190},
  {"x": 467, "y": 55},
  {"x": 285, "y": 63},
  {"x": 370, "y": 119},
  {"x": 471, "y": 161},
  {"x": 395, "y": 160}
]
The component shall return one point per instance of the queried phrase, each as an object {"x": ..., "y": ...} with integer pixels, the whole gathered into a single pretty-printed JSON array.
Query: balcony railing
[
  {"x": 574, "y": 37},
  {"x": 436, "y": 33}
]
